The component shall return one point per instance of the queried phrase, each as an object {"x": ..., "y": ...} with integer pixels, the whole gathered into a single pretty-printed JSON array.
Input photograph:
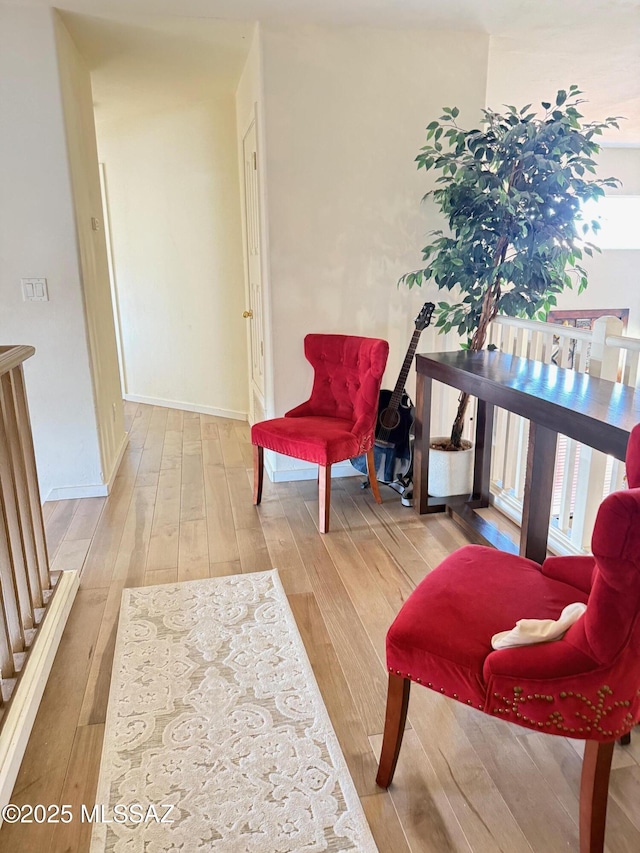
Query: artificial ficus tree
[{"x": 512, "y": 192}]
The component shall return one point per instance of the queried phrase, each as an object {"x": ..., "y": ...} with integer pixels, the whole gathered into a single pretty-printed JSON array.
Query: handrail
[
  {"x": 623, "y": 342},
  {"x": 537, "y": 326},
  {"x": 12, "y": 356}
]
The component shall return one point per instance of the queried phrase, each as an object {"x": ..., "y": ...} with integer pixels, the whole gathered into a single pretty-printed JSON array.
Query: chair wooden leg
[
  {"x": 625, "y": 740},
  {"x": 395, "y": 719},
  {"x": 258, "y": 473},
  {"x": 373, "y": 480},
  {"x": 324, "y": 496},
  {"x": 594, "y": 791}
]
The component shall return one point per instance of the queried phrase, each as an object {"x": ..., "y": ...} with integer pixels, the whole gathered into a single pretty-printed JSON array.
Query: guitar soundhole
[{"x": 389, "y": 419}]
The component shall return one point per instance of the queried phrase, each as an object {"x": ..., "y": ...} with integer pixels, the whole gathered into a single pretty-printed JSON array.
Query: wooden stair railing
[
  {"x": 34, "y": 603},
  {"x": 25, "y": 580}
]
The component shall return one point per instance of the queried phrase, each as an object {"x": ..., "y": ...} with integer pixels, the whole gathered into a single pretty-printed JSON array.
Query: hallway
[{"x": 181, "y": 509}]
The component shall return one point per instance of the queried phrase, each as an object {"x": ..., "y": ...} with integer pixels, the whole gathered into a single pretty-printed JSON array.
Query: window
[{"x": 619, "y": 217}]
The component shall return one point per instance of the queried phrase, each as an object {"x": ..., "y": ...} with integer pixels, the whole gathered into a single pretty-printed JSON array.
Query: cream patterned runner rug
[{"x": 217, "y": 738}]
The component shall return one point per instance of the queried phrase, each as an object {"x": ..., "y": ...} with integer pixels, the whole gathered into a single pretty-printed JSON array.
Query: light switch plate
[{"x": 34, "y": 290}]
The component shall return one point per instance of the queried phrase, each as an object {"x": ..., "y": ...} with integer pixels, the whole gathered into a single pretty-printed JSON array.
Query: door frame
[{"x": 267, "y": 401}]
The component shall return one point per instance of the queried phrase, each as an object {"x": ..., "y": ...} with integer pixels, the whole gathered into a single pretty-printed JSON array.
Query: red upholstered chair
[
  {"x": 338, "y": 421},
  {"x": 585, "y": 685}
]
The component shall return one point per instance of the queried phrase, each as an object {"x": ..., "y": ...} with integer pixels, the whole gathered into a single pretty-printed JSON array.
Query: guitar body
[
  {"x": 398, "y": 421},
  {"x": 392, "y": 456},
  {"x": 392, "y": 449}
]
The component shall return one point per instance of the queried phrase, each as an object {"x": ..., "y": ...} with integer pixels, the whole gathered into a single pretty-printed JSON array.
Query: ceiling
[
  {"x": 491, "y": 16},
  {"x": 163, "y": 60},
  {"x": 201, "y": 45}
]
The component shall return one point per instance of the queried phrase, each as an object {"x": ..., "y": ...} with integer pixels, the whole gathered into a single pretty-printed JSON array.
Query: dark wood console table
[{"x": 594, "y": 411}]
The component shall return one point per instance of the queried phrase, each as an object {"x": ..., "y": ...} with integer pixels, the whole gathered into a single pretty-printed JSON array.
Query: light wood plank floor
[{"x": 181, "y": 509}]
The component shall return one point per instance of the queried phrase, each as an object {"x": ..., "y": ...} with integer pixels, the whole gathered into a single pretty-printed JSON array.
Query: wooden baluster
[
  {"x": 494, "y": 334},
  {"x": 618, "y": 474},
  {"x": 630, "y": 375},
  {"x": 564, "y": 354},
  {"x": 9, "y": 588},
  {"x": 511, "y": 451},
  {"x": 26, "y": 436},
  {"x": 578, "y": 356},
  {"x": 536, "y": 346},
  {"x": 567, "y": 473},
  {"x": 14, "y": 535},
  {"x": 521, "y": 458},
  {"x": 547, "y": 347},
  {"x": 500, "y": 447},
  {"x": 497, "y": 334},
  {"x": 20, "y": 485},
  {"x": 516, "y": 445},
  {"x": 593, "y": 464},
  {"x": 7, "y": 665},
  {"x": 469, "y": 427},
  {"x": 604, "y": 360},
  {"x": 522, "y": 343}
]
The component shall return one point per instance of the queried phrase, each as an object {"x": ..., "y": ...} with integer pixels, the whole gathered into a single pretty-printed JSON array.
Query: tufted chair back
[
  {"x": 347, "y": 375},
  {"x": 337, "y": 422},
  {"x": 612, "y": 620},
  {"x": 633, "y": 458}
]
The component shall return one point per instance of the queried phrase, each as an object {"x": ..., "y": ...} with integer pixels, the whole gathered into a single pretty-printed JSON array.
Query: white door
[{"x": 254, "y": 313}]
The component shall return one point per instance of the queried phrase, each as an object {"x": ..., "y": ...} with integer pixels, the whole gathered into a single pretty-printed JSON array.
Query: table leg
[
  {"x": 538, "y": 492},
  {"x": 482, "y": 461},
  {"x": 421, "y": 444}
]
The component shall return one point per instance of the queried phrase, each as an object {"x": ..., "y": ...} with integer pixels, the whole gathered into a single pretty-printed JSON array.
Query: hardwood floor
[{"x": 181, "y": 509}]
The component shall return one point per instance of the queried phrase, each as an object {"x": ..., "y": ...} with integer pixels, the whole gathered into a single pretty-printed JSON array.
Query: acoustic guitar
[{"x": 392, "y": 449}]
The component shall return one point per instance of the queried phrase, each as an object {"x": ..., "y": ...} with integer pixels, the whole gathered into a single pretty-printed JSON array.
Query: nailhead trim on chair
[
  {"x": 429, "y": 684},
  {"x": 600, "y": 711},
  {"x": 555, "y": 718}
]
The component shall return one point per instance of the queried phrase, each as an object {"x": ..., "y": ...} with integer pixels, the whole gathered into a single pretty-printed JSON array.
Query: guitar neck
[{"x": 396, "y": 396}]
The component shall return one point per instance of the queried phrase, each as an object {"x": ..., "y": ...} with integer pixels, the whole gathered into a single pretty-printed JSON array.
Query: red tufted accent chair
[
  {"x": 585, "y": 685},
  {"x": 337, "y": 422}
]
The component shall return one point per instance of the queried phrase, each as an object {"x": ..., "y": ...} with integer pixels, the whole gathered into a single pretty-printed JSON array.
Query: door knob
[{"x": 247, "y": 314}]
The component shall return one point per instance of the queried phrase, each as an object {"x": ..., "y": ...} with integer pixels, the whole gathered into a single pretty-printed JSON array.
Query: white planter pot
[{"x": 450, "y": 471}]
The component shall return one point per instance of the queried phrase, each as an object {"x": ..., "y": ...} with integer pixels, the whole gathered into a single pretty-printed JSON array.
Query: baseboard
[
  {"x": 187, "y": 407},
  {"x": 68, "y": 493},
  {"x": 101, "y": 490},
  {"x": 340, "y": 469},
  {"x": 24, "y": 705}
]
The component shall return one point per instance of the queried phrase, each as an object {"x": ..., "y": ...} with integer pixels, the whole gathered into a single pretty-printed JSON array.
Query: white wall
[
  {"x": 38, "y": 239},
  {"x": 83, "y": 161},
  {"x": 345, "y": 114},
  {"x": 614, "y": 275},
  {"x": 173, "y": 194}
]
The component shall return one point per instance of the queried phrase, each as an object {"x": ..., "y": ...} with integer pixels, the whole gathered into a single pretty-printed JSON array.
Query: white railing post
[
  {"x": 592, "y": 467},
  {"x": 604, "y": 360}
]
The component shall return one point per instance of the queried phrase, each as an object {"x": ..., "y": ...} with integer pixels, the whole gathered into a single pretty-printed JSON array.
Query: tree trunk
[{"x": 489, "y": 311}]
